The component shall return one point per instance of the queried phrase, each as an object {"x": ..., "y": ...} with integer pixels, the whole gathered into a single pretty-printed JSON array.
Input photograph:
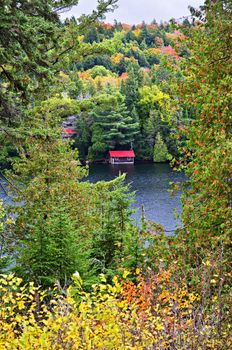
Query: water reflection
[
  {"x": 151, "y": 183},
  {"x": 116, "y": 169}
]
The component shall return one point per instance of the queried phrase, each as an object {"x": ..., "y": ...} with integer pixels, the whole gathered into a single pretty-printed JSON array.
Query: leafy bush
[
  {"x": 154, "y": 313},
  {"x": 160, "y": 150}
]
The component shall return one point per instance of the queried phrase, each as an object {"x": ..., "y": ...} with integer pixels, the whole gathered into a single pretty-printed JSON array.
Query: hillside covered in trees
[
  {"x": 123, "y": 85},
  {"x": 75, "y": 272}
]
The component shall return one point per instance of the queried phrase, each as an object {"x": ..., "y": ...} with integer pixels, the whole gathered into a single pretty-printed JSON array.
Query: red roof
[
  {"x": 70, "y": 131},
  {"x": 122, "y": 154}
]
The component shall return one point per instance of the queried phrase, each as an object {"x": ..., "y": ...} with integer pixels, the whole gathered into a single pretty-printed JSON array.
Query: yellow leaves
[
  {"x": 122, "y": 315},
  {"x": 21, "y": 304},
  {"x": 213, "y": 281},
  {"x": 137, "y": 32},
  {"x": 214, "y": 298},
  {"x": 117, "y": 58},
  {"x": 77, "y": 280},
  {"x": 102, "y": 278},
  {"x": 151, "y": 96},
  {"x": 159, "y": 326},
  {"x": 117, "y": 285},
  {"x": 126, "y": 273},
  {"x": 154, "y": 51}
]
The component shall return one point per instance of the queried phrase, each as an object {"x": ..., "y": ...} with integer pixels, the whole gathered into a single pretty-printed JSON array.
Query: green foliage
[
  {"x": 44, "y": 237},
  {"x": 177, "y": 292},
  {"x": 131, "y": 88},
  {"x": 35, "y": 46},
  {"x": 117, "y": 52},
  {"x": 207, "y": 210},
  {"x": 98, "y": 60},
  {"x": 110, "y": 238},
  {"x": 29, "y": 58},
  {"x": 160, "y": 154},
  {"x": 4, "y": 257},
  {"x": 150, "y": 98},
  {"x": 92, "y": 36},
  {"x": 61, "y": 223},
  {"x": 99, "y": 71},
  {"x": 113, "y": 126}
]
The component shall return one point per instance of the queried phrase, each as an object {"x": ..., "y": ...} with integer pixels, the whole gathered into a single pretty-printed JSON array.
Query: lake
[{"x": 151, "y": 183}]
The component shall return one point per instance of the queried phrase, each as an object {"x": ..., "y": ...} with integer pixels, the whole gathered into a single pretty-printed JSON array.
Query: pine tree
[
  {"x": 110, "y": 238},
  {"x": 143, "y": 45},
  {"x": 57, "y": 215},
  {"x": 92, "y": 36},
  {"x": 160, "y": 154},
  {"x": 117, "y": 125},
  {"x": 144, "y": 36},
  {"x": 131, "y": 88},
  {"x": 46, "y": 235}
]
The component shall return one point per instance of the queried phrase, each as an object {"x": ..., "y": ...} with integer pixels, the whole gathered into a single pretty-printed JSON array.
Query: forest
[
  {"x": 75, "y": 273},
  {"x": 123, "y": 89}
]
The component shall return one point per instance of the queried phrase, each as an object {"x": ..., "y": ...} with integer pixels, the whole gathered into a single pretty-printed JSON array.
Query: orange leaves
[
  {"x": 176, "y": 36},
  {"x": 84, "y": 75},
  {"x": 117, "y": 58},
  {"x": 152, "y": 313}
]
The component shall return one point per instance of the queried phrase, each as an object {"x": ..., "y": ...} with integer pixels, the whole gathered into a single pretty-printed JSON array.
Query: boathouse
[
  {"x": 69, "y": 127},
  {"x": 122, "y": 157},
  {"x": 67, "y": 133}
]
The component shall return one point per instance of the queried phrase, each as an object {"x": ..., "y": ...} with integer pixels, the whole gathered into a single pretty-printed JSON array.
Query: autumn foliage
[{"x": 152, "y": 313}]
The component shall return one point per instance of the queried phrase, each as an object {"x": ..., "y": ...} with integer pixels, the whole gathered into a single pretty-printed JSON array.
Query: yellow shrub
[{"x": 152, "y": 314}]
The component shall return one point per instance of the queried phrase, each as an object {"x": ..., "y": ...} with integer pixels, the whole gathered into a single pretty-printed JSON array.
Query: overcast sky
[{"x": 135, "y": 11}]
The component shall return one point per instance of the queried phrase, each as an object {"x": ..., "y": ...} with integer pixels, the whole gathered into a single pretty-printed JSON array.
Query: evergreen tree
[
  {"x": 76, "y": 85},
  {"x": 83, "y": 138},
  {"x": 131, "y": 88},
  {"x": 121, "y": 67},
  {"x": 45, "y": 237},
  {"x": 118, "y": 129},
  {"x": 186, "y": 23},
  {"x": 144, "y": 35},
  {"x": 57, "y": 215},
  {"x": 129, "y": 37},
  {"x": 110, "y": 239},
  {"x": 123, "y": 87},
  {"x": 92, "y": 36},
  {"x": 160, "y": 154},
  {"x": 143, "y": 45},
  {"x": 35, "y": 46},
  {"x": 154, "y": 22}
]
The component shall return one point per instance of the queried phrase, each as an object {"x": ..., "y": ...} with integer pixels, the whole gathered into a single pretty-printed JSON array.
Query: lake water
[
  {"x": 151, "y": 183},
  {"x": 4, "y": 192}
]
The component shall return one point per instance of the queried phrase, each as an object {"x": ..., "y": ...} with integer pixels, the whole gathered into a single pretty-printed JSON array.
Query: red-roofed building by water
[
  {"x": 69, "y": 127},
  {"x": 122, "y": 157},
  {"x": 68, "y": 133}
]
